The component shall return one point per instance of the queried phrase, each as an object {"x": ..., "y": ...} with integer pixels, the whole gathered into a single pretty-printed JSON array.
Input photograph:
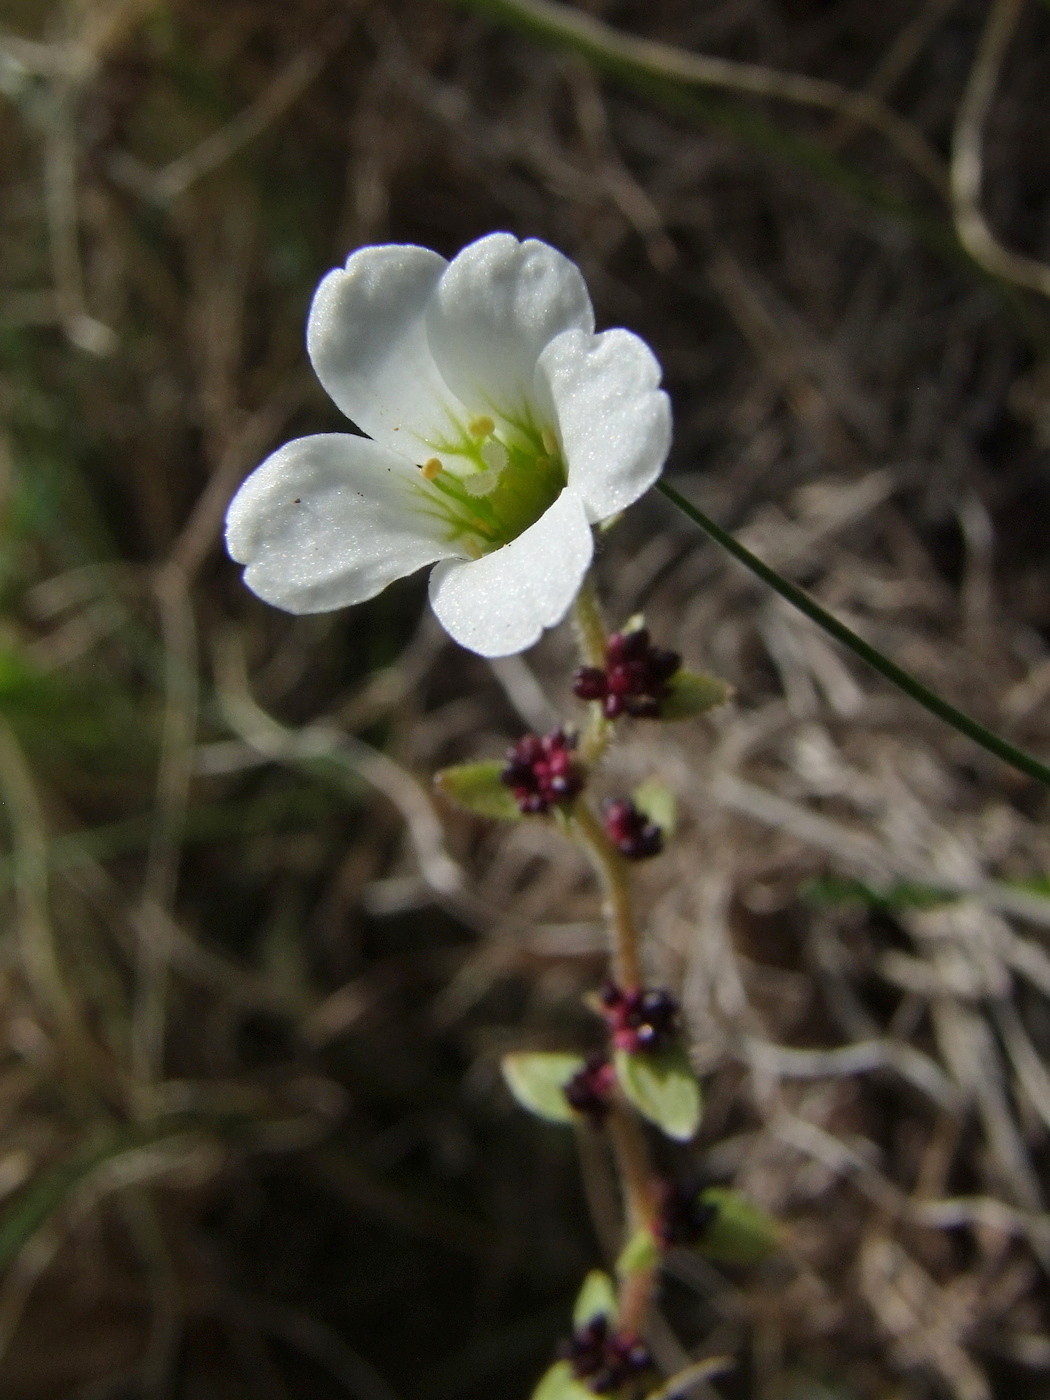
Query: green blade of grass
[
  {"x": 297, "y": 810},
  {"x": 45, "y": 1194},
  {"x": 994, "y": 743}
]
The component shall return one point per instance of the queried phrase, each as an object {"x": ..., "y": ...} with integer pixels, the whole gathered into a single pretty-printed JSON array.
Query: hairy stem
[
  {"x": 625, "y": 1132},
  {"x": 590, "y": 626},
  {"x": 632, "y": 1160},
  {"x": 636, "y": 1176},
  {"x": 591, "y": 636},
  {"x": 612, "y": 872}
]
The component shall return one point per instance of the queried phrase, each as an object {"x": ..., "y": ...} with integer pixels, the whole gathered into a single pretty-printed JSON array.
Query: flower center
[{"x": 490, "y": 486}]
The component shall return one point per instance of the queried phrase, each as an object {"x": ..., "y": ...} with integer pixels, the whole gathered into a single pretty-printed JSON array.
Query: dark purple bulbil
[
  {"x": 634, "y": 680},
  {"x": 541, "y": 772},
  {"x": 640, "y": 1020},
  {"x": 684, "y": 1218},
  {"x": 589, "y": 1091},
  {"x": 631, "y": 831},
  {"x": 603, "y": 1359}
]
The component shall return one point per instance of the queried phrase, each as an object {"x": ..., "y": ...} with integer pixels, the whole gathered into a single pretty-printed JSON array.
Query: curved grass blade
[
  {"x": 1016, "y": 757},
  {"x": 39, "y": 1200}
]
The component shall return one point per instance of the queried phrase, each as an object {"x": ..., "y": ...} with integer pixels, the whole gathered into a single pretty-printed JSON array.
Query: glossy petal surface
[
  {"x": 613, "y": 419},
  {"x": 493, "y": 312},
  {"x": 473, "y": 363},
  {"x": 367, "y": 339},
  {"x": 331, "y": 520},
  {"x": 499, "y": 604}
]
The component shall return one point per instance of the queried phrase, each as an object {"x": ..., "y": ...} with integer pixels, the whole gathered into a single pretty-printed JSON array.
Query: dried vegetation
[{"x": 253, "y": 988}]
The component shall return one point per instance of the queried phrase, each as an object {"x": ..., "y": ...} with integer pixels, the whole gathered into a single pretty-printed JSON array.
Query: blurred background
[{"x": 254, "y": 985}]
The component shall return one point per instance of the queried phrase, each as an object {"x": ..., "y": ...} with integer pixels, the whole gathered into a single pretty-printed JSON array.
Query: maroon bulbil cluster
[
  {"x": 604, "y": 1359},
  {"x": 631, "y": 831},
  {"x": 684, "y": 1218},
  {"x": 541, "y": 772},
  {"x": 639, "y": 1020},
  {"x": 590, "y": 1090},
  {"x": 634, "y": 681}
]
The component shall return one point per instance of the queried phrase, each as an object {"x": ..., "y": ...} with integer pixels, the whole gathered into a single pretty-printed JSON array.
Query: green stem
[
  {"x": 590, "y": 628},
  {"x": 591, "y": 636},
  {"x": 1018, "y": 758},
  {"x": 637, "y": 1181},
  {"x": 611, "y": 869},
  {"x": 636, "y": 1171}
]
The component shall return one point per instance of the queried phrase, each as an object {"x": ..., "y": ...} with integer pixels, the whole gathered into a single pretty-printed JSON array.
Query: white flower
[{"x": 501, "y": 428}]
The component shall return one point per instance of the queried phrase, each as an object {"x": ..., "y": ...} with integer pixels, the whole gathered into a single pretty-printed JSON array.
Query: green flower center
[{"x": 500, "y": 484}]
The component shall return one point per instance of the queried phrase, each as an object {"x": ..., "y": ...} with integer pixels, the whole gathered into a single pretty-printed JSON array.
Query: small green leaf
[
  {"x": 641, "y": 1252},
  {"x": 690, "y": 693},
  {"x": 663, "y": 1088},
  {"x": 657, "y": 802},
  {"x": 597, "y": 1298},
  {"x": 560, "y": 1384},
  {"x": 538, "y": 1079},
  {"x": 478, "y": 788},
  {"x": 739, "y": 1232}
]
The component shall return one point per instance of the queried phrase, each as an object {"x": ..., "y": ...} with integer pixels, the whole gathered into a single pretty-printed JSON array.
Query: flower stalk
[
  {"x": 592, "y": 639},
  {"x": 590, "y": 625},
  {"x": 613, "y": 874},
  {"x": 626, "y": 1137},
  {"x": 636, "y": 1175},
  {"x": 640, "y": 1210}
]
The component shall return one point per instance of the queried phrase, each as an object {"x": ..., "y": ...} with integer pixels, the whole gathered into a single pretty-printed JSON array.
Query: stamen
[
  {"x": 550, "y": 442},
  {"x": 481, "y": 427},
  {"x": 431, "y": 468},
  {"x": 495, "y": 456},
  {"x": 481, "y": 483}
]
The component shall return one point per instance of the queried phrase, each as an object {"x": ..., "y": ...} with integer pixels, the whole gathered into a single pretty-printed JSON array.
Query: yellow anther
[
  {"x": 472, "y": 547},
  {"x": 431, "y": 468},
  {"x": 481, "y": 427},
  {"x": 550, "y": 442}
]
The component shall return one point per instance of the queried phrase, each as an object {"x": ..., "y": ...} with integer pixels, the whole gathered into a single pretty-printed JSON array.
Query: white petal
[
  {"x": 499, "y": 303},
  {"x": 613, "y": 420},
  {"x": 366, "y": 336},
  {"x": 500, "y": 604},
  {"x": 328, "y": 521}
]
